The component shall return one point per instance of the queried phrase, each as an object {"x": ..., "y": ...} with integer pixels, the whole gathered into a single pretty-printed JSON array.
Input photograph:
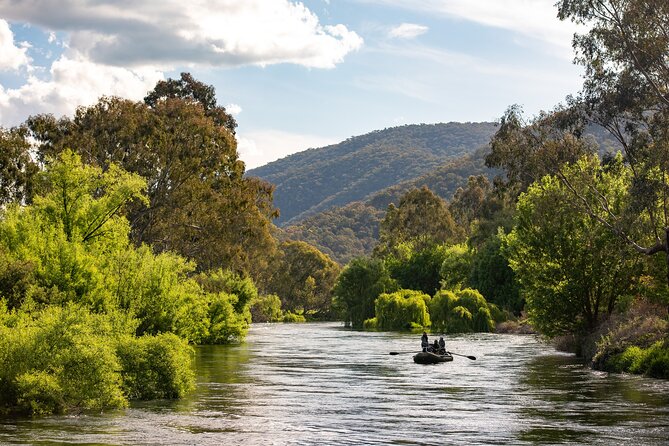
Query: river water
[{"x": 321, "y": 384}]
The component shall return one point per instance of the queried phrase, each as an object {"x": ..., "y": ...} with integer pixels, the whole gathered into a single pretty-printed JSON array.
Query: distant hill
[
  {"x": 315, "y": 180},
  {"x": 345, "y": 232},
  {"x": 334, "y": 197}
]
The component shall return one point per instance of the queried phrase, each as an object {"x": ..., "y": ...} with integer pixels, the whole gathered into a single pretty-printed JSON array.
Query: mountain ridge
[{"x": 317, "y": 179}]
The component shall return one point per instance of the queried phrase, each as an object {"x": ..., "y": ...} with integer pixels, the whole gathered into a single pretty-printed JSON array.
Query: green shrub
[
  {"x": 657, "y": 361},
  {"x": 39, "y": 393},
  {"x": 225, "y": 324},
  {"x": 652, "y": 361},
  {"x": 156, "y": 367},
  {"x": 462, "y": 311},
  {"x": 266, "y": 308},
  {"x": 293, "y": 317},
  {"x": 402, "y": 310},
  {"x": 370, "y": 324},
  {"x": 60, "y": 360}
]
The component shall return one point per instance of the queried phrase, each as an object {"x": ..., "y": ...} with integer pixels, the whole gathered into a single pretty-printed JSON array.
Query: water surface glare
[{"x": 321, "y": 384}]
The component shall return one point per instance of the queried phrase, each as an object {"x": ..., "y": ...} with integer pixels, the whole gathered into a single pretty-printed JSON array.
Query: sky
[{"x": 295, "y": 75}]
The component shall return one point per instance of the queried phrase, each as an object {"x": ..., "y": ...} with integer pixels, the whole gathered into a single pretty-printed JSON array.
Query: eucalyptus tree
[
  {"x": 625, "y": 53},
  {"x": 572, "y": 271},
  {"x": 200, "y": 203}
]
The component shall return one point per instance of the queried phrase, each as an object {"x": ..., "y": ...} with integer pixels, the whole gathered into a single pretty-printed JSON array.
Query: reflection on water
[{"x": 311, "y": 384}]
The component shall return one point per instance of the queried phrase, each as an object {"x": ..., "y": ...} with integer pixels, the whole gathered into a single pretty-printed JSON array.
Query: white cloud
[
  {"x": 203, "y": 32},
  {"x": 407, "y": 31},
  {"x": 258, "y": 148},
  {"x": 233, "y": 109},
  {"x": 73, "y": 82},
  {"x": 11, "y": 56},
  {"x": 536, "y": 19}
]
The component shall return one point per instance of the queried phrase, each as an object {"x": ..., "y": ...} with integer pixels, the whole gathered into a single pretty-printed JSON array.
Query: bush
[
  {"x": 462, "y": 311},
  {"x": 402, "y": 310},
  {"x": 266, "y": 308},
  {"x": 156, "y": 367},
  {"x": 653, "y": 361},
  {"x": 626, "y": 336},
  {"x": 60, "y": 360},
  {"x": 370, "y": 324},
  {"x": 293, "y": 317},
  {"x": 225, "y": 324}
]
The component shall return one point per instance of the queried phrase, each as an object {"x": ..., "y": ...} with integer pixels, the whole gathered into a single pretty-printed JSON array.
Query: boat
[{"x": 431, "y": 358}]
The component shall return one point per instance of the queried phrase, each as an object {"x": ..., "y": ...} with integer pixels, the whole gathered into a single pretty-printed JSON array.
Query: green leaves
[{"x": 571, "y": 268}]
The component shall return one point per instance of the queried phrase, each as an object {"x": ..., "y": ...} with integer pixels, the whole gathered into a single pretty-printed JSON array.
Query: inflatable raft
[{"x": 431, "y": 358}]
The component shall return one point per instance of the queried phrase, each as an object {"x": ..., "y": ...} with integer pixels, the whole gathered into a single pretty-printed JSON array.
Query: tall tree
[
  {"x": 422, "y": 219},
  {"x": 188, "y": 88},
  {"x": 200, "y": 204},
  {"x": 17, "y": 169},
  {"x": 570, "y": 268},
  {"x": 303, "y": 277},
  {"x": 358, "y": 286},
  {"x": 626, "y": 90}
]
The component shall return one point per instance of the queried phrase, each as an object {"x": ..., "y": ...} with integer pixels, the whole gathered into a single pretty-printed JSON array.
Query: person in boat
[
  {"x": 442, "y": 346},
  {"x": 424, "y": 343},
  {"x": 435, "y": 346}
]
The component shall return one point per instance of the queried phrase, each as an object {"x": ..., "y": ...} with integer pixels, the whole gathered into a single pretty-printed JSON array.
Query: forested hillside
[
  {"x": 317, "y": 179},
  {"x": 345, "y": 232}
]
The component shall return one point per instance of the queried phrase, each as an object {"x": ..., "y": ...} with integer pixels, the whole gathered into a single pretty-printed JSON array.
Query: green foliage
[
  {"x": 266, "y": 308},
  {"x": 570, "y": 267},
  {"x": 418, "y": 269},
  {"x": 421, "y": 219},
  {"x": 370, "y": 324},
  {"x": 228, "y": 282},
  {"x": 402, "y": 310},
  {"x": 226, "y": 324},
  {"x": 17, "y": 169},
  {"x": 456, "y": 266},
  {"x": 66, "y": 359},
  {"x": 493, "y": 277},
  {"x": 358, "y": 286},
  {"x": 60, "y": 360},
  {"x": 461, "y": 311},
  {"x": 155, "y": 367},
  {"x": 291, "y": 317},
  {"x": 652, "y": 361},
  {"x": 200, "y": 204},
  {"x": 303, "y": 277}
]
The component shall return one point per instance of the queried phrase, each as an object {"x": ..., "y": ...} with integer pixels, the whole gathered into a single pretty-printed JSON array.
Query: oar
[
  {"x": 399, "y": 353},
  {"x": 473, "y": 358}
]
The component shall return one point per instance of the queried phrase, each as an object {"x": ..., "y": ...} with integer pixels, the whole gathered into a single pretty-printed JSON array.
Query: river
[{"x": 321, "y": 384}]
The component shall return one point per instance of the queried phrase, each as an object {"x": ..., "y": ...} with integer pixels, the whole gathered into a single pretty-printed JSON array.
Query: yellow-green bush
[
  {"x": 291, "y": 317},
  {"x": 155, "y": 367},
  {"x": 652, "y": 361},
  {"x": 402, "y": 310},
  {"x": 66, "y": 359},
  {"x": 370, "y": 324},
  {"x": 61, "y": 359},
  {"x": 461, "y": 311}
]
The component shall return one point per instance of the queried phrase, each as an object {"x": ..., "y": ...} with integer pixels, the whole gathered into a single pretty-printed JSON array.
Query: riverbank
[{"x": 635, "y": 342}]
